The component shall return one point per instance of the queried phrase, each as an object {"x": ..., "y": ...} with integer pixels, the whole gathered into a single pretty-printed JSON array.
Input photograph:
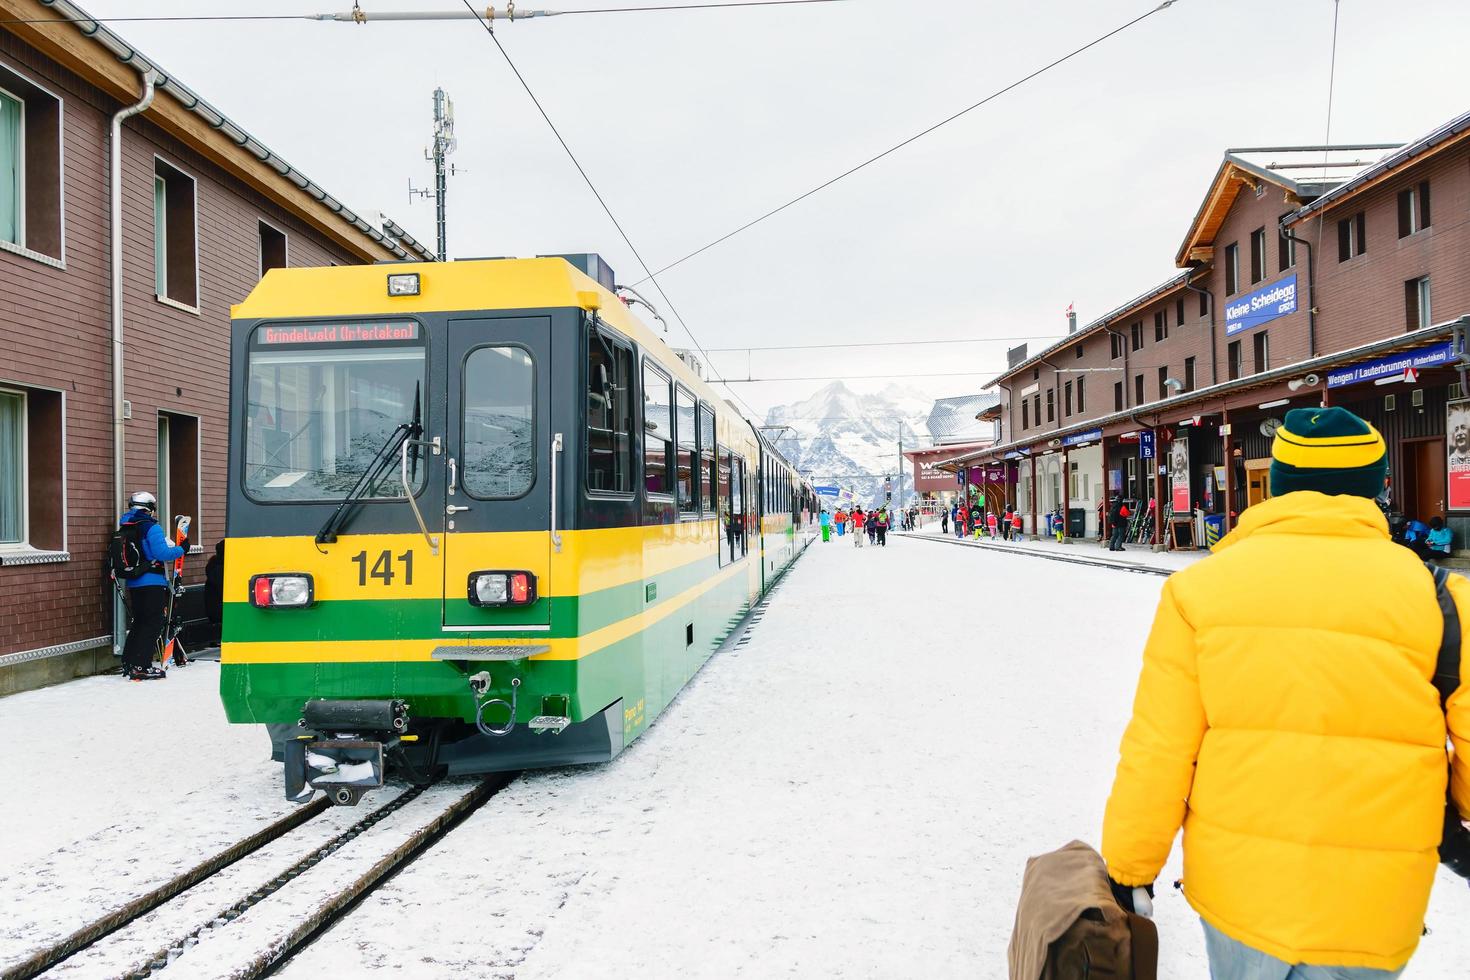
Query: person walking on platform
[
  {"x": 882, "y": 526},
  {"x": 873, "y": 527},
  {"x": 962, "y": 521},
  {"x": 1118, "y": 520},
  {"x": 992, "y": 525},
  {"x": 858, "y": 520},
  {"x": 1287, "y": 718},
  {"x": 148, "y": 591},
  {"x": 943, "y": 521},
  {"x": 1018, "y": 532},
  {"x": 840, "y": 519},
  {"x": 826, "y": 521}
]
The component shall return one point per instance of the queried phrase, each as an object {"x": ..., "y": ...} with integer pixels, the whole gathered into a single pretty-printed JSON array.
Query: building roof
[
  {"x": 1443, "y": 137},
  {"x": 1173, "y": 282},
  {"x": 66, "y": 33},
  {"x": 1302, "y": 173},
  {"x": 953, "y": 419}
]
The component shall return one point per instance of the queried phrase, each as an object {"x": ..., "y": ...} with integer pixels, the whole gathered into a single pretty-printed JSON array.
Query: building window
[
  {"x": 1135, "y": 331},
  {"x": 1179, "y": 312},
  {"x": 1118, "y": 396},
  {"x": 1204, "y": 304},
  {"x": 272, "y": 248},
  {"x": 1352, "y": 236},
  {"x": 609, "y": 414},
  {"x": 1232, "y": 268},
  {"x": 178, "y": 471},
  {"x": 1067, "y": 398},
  {"x": 658, "y": 431},
  {"x": 1051, "y": 404},
  {"x": 1079, "y": 352},
  {"x": 1138, "y": 389},
  {"x": 1258, "y": 255},
  {"x": 1232, "y": 356},
  {"x": 1117, "y": 340},
  {"x": 1036, "y": 408},
  {"x": 1163, "y": 382},
  {"x": 1025, "y": 415},
  {"x": 1036, "y": 374},
  {"x": 1285, "y": 248},
  {"x": 1262, "y": 344},
  {"x": 1413, "y": 209},
  {"x": 1416, "y": 304},
  {"x": 1081, "y": 394},
  {"x": 688, "y": 449},
  {"x": 1189, "y": 374},
  {"x": 32, "y": 489},
  {"x": 30, "y": 166},
  {"x": 1161, "y": 325},
  {"x": 175, "y": 244}
]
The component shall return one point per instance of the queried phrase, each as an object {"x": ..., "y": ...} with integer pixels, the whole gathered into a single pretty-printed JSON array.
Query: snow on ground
[
  {"x": 852, "y": 794},
  {"x": 1089, "y": 549}
]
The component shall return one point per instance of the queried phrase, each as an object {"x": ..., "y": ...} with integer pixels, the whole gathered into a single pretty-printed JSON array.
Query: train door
[{"x": 501, "y": 466}]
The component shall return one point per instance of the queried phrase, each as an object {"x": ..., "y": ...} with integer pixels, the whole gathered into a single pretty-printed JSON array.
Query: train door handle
[
  {"x": 453, "y": 476},
  {"x": 451, "y": 509}
]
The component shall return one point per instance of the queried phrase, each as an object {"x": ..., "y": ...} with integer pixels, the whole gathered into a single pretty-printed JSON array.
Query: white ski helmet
[{"x": 144, "y": 500}]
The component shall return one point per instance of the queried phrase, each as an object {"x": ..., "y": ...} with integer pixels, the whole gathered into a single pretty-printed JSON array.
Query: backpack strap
[{"x": 1447, "y": 667}]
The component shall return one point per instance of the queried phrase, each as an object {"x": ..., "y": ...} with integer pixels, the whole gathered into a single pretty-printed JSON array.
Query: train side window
[
  {"x": 707, "y": 475},
  {"x": 499, "y": 423},
  {"x": 738, "y": 499},
  {"x": 687, "y": 449},
  {"x": 658, "y": 431},
  {"x": 609, "y": 414}
]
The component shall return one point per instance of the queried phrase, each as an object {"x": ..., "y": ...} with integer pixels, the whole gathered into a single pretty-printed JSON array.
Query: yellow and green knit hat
[{"x": 1329, "y": 450}]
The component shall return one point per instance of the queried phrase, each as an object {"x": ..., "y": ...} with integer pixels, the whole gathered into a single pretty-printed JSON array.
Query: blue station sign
[
  {"x": 825, "y": 491},
  {"x": 1386, "y": 367},
  {"x": 1078, "y": 438},
  {"x": 1260, "y": 307},
  {"x": 1146, "y": 444}
]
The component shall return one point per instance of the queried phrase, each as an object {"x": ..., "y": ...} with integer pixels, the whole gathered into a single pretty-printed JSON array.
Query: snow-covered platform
[
  {"x": 1134, "y": 557},
  {"x": 852, "y": 791}
]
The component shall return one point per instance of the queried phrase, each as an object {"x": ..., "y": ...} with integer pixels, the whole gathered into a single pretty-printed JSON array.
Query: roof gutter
[{"x": 191, "y": 101}]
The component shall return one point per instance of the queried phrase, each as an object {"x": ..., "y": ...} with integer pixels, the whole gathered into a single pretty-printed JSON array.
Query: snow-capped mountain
[{"x": 843, "y": 438}]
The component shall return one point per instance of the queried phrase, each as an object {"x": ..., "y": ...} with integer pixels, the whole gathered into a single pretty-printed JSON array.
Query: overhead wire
[
  {"x": 205, "y": 18},
  {"x": 919, "y": 135},
  {"x": 879, "y": 343},
  {"x": 649, "y": 275}
]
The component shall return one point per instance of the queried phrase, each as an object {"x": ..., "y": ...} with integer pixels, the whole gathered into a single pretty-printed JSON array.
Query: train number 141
[{"x": 382, "y": 568}]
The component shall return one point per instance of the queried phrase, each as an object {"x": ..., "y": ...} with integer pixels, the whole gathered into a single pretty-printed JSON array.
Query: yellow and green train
[{"x": 480, "y": 519}]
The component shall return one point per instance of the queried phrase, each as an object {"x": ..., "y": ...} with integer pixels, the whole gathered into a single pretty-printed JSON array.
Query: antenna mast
[{"x": 444, "y": 144}]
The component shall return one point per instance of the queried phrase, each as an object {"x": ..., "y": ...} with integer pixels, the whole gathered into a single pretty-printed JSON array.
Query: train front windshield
[{"x": 322, "y": 399}]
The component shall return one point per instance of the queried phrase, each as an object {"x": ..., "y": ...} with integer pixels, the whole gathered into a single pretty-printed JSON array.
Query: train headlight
[
  {"x": 403, "y": 284},
  {"x": 502, "y": 589},
  {"x": 292, "y": 591}
]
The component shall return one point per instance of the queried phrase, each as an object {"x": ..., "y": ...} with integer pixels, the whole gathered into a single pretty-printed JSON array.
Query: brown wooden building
[
  {"x": 203, "y": 209},
  {"x": 1302, "y": 282}
]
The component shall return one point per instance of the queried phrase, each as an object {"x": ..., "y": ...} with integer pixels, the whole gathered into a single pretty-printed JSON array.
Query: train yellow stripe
[{"x": 573, "y": 648}]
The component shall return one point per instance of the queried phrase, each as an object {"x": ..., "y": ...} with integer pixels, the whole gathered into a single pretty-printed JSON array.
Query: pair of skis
[{"x": 169, "y": 647}]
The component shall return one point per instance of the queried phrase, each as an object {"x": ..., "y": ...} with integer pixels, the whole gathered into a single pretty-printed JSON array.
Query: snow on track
[{"x": 853, "y": 793}]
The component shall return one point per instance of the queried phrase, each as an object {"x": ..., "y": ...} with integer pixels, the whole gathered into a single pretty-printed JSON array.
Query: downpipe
[
  {"x": 115, "y": 249},
  {"x": 1311, "y": 287},
  {"x": 1214, "y": 354}
]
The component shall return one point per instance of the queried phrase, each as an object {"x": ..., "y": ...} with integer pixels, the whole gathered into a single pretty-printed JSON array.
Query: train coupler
[{"x": 347, "y": 758}]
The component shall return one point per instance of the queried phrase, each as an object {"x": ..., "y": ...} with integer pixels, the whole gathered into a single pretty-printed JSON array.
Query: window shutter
[
  {"x": 1344, "y": 241},
  {"x": 10, "y": 156},
  {"x": 1406, "y": 202},
  {"x": 1362, "y": 220},
  {"x": 1424, "y": 204}
]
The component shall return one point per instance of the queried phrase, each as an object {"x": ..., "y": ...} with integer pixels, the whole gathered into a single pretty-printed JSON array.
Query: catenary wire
[
  {"x": 880, "y": 343},
  {"x": 206, "y": 18},
  {"x": 649, "y": 275},
  {"x": 918, "y": 136},
  {"x": 865, "y": 377}
]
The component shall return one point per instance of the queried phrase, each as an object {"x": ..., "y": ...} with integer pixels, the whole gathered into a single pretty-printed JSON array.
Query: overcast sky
[{"x": 1077, "y": 187}]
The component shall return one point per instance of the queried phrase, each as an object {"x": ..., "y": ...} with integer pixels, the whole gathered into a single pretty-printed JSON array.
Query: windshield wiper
[{"x": 373, "y": 473}]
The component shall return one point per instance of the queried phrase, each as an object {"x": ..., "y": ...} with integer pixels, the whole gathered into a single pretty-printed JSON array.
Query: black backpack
[
  {"x": 1454, "y": 848},
  {"x": 125, "y": 551}
]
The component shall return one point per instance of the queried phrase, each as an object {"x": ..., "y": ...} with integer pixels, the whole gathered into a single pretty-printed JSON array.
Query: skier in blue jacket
[{"x": 148, "y": 593}]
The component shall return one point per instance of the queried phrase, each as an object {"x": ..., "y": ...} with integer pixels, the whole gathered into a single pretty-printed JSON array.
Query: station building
[
  {"x": 958, "y": 425},
  {"x": 1308, "y": 276},
  {"x": 119, "y": 261}
]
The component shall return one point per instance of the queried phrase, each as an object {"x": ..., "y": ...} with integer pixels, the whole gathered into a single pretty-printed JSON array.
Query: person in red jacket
[
  {"x": 858, "y": 520},
  {"x": 962, "y": 523}
]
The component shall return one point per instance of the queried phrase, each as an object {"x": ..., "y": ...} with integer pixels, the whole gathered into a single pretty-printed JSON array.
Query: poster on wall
[
  {"x": 1179, "y": 476},
  {"x": 1457, "y": 427}
]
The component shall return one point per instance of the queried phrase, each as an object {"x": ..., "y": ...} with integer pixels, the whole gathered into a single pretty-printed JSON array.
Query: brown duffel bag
[{"x": 1069, "y": 926}]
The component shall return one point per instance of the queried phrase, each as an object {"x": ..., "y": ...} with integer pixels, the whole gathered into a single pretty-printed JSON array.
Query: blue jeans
[{"x": 1233, "y": 960}]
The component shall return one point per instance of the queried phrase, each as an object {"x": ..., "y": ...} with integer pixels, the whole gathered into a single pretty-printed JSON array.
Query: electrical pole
[{"x": 444, "y": 144}]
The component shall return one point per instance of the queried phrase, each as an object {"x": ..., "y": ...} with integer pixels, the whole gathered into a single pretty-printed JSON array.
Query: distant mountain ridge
[{"x": 843, "y": 438}]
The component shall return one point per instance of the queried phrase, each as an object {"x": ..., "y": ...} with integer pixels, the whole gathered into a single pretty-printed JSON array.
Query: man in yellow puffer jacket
[{"x": 1286, "y": 719}]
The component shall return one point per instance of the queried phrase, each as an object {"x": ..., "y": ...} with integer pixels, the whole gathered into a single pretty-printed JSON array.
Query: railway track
[
  {"x": 243, "y": 912},
  {"x": 1068, "y": 559}
]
